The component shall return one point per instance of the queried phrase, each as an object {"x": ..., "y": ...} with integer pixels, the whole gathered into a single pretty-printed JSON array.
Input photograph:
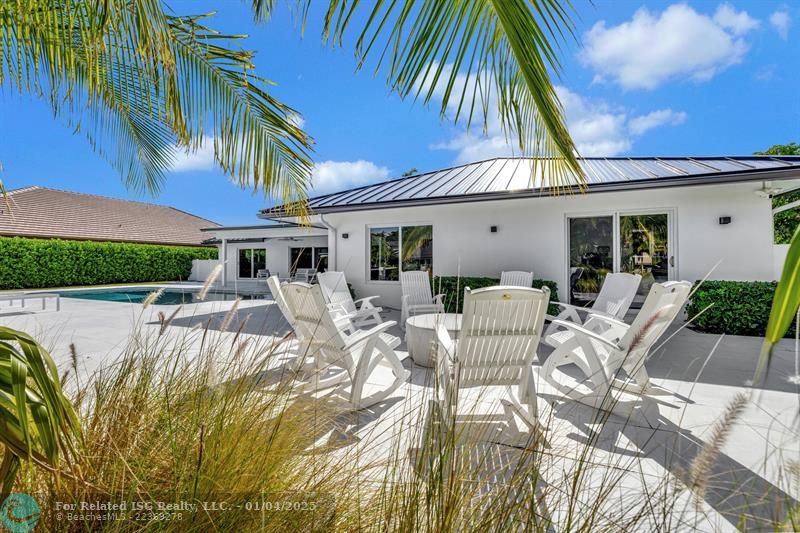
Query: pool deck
[{"x": 698, "y": 387}]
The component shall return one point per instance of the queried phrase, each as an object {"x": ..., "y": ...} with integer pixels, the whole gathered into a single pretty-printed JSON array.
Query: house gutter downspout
[{"x": 335, "y": 233}]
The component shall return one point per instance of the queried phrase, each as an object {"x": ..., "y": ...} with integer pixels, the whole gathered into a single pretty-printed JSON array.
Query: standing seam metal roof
[{"x": 510, "y": 176}]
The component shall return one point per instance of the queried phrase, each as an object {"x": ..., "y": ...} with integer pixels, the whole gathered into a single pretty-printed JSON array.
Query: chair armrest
[
  {"x": 608, "y": 319},
  {"x": 580, "y": 330},
  {"x": 364, "y": 335},
  {"x": 576, "y": 308},
  {"x": 445, "y": 353},
  {"x": 438, "y": 299},
  {"x": 367, "y": 300},
  {"x": 425, "y": 307},
  {"x": 338, "y": 309}
]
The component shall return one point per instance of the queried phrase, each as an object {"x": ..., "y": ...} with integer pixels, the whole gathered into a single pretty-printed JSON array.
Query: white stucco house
[{"x": 665, "y": 217}]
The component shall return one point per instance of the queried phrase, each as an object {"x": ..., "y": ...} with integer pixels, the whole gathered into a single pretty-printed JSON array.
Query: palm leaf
[
  {"x": 37, "y": 421},
  {"x": 784, "y": 304},
  {"x": 481, "y": 57},
  {"x": 140, "y": 83}
]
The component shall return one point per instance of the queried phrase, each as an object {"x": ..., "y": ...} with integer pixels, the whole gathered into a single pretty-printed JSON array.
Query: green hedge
[
  {"x": 41, "y": 263},
  {"x": 451, "y": 285},
  {"x": 737, "y": 307},
  {"x": 785, "y": 222}
]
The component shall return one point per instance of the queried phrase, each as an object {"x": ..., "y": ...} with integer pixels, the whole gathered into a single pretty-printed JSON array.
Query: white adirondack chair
[
  {"x": 342, "y": 322},
  {"x": 361, "y": 312},
  {"x": 417, "y": 297},
  {"x": 516, "y": 278},
  {"x": 500, "y": 330},
  {"x": 274, "y": 284},
  {"x": 603, "y": 357},
  {"x": 357, "y": 354},
  {"x": 614, "y": 300}
]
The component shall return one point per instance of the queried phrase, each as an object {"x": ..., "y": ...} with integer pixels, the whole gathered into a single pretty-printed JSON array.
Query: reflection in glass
[
  {"x": 300, "y": 258},
  {"x": 591, "y": 240},
  {"x": 246, "y": 263},
  {"x": 259, "y": 260},
  {"x": 321, "y": 258},
  {"x": 383, "y": 260},
  {"x": 417, "y": 248},
  {"x": 643, "y": 248}
]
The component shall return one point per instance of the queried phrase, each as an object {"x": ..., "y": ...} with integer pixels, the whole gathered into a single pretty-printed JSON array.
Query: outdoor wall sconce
[
  {"x": 493, "y": 229},
  {"x": 345, "y": 235},
  {"x": 724, "y": 220}
]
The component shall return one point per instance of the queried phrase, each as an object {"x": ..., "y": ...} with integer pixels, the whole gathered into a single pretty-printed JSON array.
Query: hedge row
[
  {"x": 734, "y": 307},
  {"x": 41, "y": 263},
  {"x": 453, "y": 289}
]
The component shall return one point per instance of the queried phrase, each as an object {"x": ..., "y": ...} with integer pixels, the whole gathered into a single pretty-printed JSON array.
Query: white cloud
[
  {"x": 662, "y": 117},
  {"x": 738, "y": 22},
  {"x": 330, "y": 176},
  {"x": 650, "y": 50},
  {"x": 200, "y": 160},
  {"x": 597, "y": 128},
  {"x": 781, "y": 21}
]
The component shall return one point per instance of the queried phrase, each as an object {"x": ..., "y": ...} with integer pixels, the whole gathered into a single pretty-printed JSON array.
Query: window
[
  {"x": 308, "y": 257},
  {"x": 251, "y": 260},
  {"x": 396, "y": 249}
]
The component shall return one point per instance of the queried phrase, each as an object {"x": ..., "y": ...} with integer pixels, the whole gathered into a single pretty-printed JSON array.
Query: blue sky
[{"x": 643, "y": 78}]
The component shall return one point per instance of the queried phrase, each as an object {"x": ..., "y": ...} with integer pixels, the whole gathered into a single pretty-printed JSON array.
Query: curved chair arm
[
  {"x": 364, "y": 335},
  {"x": 610, "y": 320},
  {"x": 580, "y": 330},
  {"x": 575, "y": 307},
  {"x": 445, "y": 365},
  {"x": 432, "y": 308},
  {"x": 365, "y": 302}
]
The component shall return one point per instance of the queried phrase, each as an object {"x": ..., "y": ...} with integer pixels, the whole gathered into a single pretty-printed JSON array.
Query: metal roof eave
[{"x": 655, "y": 183}]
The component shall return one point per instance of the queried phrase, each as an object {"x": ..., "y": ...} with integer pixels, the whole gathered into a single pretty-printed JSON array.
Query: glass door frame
[
  {"x": 672, "y": 237},
  {"x": 253, "y": 270}
]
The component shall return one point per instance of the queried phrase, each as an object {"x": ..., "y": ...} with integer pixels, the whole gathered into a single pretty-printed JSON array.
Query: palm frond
[
  {"x": 482, "y": 58},
  {"x": 37, "y": 421},
  {"x": 141, "y": 83}
]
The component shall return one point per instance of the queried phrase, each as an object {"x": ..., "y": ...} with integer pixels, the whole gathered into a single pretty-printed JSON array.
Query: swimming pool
[{"x": 168, "y": 297}]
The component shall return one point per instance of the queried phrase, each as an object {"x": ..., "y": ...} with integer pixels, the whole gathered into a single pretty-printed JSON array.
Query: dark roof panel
[{"x": 502, "y": 176}]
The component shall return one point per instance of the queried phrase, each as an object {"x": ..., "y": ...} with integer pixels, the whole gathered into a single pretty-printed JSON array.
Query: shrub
[
  {"x": 39, "y": 263},
  {"x": 453, "y": 288},
  {"x": 785, "y": 222},
  {"x": 736, "y": 307}
]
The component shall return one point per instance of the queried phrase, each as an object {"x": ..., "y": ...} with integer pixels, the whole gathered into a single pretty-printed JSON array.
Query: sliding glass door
[
  {"x": 251, "y": 260},
  {"x": 644, "y": 250},
  {"x": 619, "y": 242},
  {"x": 591, "y": 241}
]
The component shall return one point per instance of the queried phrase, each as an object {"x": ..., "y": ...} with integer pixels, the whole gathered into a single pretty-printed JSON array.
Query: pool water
[{"x": 169, "y": 297}]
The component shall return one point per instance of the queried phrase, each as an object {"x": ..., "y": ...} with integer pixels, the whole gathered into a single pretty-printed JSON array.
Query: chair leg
[
  {"x": 375, "y": 350},
  {"x": 590, "y": 366}
]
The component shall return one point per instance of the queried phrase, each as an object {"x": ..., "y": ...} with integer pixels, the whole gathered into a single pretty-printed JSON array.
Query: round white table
[{"x": 420, "y": 331}]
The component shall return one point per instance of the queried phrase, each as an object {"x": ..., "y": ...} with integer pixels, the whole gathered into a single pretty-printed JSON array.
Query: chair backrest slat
[
  {"x": 274, "y": 285},
  {"x": 313, "y": 321},
  {"x": 335, "y": 291},
  {"x": 416, "y": 286},
  {"x": 516, "y": 278},
  {"x": 500, "y": 331},
  {"x": 663, "y": 303},
  {"x": 617, "y": 294}
]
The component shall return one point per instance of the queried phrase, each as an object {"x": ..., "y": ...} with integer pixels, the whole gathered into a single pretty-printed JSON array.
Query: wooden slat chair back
[
  {"x": 416, "y": 287},
  {"x": 500, "y": 331},
  {"x": 516, "y": 278}
]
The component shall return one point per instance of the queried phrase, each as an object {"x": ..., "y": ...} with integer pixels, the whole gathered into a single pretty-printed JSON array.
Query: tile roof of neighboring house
[
  {"x": 512, "y": 177},
  {"x": 49, "y": 213}
]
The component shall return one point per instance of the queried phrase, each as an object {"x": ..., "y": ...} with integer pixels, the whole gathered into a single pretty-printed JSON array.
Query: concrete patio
[{"x": 700, "y": 374}]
